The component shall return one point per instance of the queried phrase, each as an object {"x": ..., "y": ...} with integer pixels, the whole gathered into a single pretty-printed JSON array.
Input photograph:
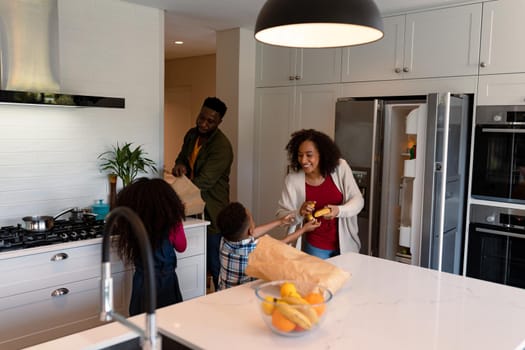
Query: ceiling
[{"x": 196, "y": 21}]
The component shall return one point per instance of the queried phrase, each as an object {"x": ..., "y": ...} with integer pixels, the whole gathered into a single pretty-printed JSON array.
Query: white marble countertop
[{"x": 384, "y": 305}]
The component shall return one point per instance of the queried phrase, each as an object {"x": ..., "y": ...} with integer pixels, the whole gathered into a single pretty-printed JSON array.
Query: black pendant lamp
[{"x": 318, "y": 23}]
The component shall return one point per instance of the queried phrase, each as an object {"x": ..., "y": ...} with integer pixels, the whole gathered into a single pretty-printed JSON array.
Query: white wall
[
  {"x": 48, "y": 155},
  {"x": 236, "y": 85}
]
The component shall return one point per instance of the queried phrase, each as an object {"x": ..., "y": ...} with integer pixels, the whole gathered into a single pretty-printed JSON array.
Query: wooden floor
[{"x": 209, "y": 284}]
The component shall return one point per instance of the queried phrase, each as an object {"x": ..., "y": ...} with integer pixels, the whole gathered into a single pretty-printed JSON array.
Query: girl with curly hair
[
  {"x": 319, "y": 178},
  {"x": 162, "y": 214}
]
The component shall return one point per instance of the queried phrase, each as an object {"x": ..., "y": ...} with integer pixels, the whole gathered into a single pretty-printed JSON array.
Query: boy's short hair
[{"x": 233, "y": 221}]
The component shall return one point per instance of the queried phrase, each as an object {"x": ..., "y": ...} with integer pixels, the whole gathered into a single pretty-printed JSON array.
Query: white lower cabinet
[
  {"x": 189, "y": 272},
  {"x": 191, "y": 264},
  {"x": 49, "y": 292},
  {"x": 55, "y": 293}
]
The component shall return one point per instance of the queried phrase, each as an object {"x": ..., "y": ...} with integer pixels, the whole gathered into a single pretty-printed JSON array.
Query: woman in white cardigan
[{"x": 317, "y": 173}]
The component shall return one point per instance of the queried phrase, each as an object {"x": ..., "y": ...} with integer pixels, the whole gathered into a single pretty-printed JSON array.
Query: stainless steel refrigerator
[{"x": 409, "y": 156}]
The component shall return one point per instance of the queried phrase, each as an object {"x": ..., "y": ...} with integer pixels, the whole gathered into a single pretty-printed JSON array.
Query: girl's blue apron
[{"x": 167, "y": 284}]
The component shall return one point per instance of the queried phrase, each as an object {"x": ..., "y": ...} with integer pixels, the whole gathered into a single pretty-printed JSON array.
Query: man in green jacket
[{"x": 206, "y": 158}]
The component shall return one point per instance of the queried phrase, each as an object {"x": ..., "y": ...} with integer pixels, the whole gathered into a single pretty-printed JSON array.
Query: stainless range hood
[
  {"x": 55, "y": 99},
  {"x": 29, "y": 57}
]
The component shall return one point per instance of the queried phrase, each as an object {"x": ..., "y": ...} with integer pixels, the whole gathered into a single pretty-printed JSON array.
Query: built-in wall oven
[
  {"x": 496, "y": 245},
  {"x": 498, "y": 171}
]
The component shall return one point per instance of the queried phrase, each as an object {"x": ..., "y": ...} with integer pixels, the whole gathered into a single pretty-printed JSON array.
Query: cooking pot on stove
[
  {"x": 82, "y": 215},
  {"x": 40, "y": 223}
]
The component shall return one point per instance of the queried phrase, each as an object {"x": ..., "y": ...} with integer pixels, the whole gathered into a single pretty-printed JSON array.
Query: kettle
[{"x": 101, "y": 209}]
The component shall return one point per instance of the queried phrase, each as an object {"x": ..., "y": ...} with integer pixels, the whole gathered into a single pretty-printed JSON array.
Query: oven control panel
[{"x": 499, "y": 216}]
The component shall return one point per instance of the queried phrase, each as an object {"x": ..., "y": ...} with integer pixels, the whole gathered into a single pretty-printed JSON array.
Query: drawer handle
[
  {"x": 59, "y": 256},
  {"x": 60, "y": 291}
]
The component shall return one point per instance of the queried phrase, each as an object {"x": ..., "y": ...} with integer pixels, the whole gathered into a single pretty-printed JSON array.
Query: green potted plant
[{"x": 126, "y": 162}]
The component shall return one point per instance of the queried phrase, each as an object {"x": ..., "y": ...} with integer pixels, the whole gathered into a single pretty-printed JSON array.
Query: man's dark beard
[{"x": 204, "y": 134}]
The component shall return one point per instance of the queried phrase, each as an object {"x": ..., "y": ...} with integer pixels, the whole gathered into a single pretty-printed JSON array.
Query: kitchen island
[{"x": 384, "y": 305}]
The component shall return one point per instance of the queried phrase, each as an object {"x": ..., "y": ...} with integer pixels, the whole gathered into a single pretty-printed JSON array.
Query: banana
[
  {"x": 304, "y": 307},
  {"x": 322, "y": 212},
  {"x": 294, "y": 315},
  {"x": 309, "y": 216}
]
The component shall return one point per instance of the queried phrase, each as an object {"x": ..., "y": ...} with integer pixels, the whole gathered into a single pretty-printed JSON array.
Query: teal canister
[{"x": 101, "y": 209}]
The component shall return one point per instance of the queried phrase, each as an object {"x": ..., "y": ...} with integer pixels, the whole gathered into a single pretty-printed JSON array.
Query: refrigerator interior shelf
[
  {"x": 411, "y": 122},
  {"x": 409, "y": 169},
  {"x": 404, "y": 236},
  {"x": 403, "y": 258}
]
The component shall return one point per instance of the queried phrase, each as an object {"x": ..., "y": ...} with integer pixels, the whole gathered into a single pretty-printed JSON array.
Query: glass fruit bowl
[{"x": 292, "y": 308}]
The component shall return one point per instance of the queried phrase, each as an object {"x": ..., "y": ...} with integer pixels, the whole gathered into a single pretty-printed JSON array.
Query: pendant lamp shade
[{"x": 318, "y": 23}]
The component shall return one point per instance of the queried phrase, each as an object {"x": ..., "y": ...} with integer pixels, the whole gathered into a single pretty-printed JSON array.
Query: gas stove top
[{"x": 16, "y": 237}]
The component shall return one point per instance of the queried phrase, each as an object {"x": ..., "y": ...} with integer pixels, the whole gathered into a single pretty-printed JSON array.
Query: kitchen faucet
[{"x": 149, "y": 337}]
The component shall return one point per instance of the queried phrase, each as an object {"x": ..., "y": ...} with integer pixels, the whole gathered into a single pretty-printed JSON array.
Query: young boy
[{"x": 239, "y": 235}]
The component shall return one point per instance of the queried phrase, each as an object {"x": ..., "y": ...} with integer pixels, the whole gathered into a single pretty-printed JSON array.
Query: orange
[
  {"x": 287, "y": 289},
  {"x": 316, "y": 298},
  {"x": 281, "y": 323}
]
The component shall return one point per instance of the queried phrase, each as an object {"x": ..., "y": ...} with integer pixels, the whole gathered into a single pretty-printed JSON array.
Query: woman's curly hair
[
  {"x": 329, "y": 153},
  {"x": 158, "y": 206}
]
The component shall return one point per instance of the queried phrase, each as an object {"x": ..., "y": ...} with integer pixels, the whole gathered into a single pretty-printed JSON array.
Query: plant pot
[{"x": 112, "y": 178}]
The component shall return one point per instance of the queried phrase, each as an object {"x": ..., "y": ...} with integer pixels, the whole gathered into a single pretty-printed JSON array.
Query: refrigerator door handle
[
  {"x": 443, "y": 172},
  {"x": 373, "y": 171}
]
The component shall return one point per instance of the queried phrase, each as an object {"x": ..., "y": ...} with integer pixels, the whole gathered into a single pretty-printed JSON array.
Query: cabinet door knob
[
  {"x": 482, "y": 64},
  {"x": 59, "y": 256},
  {"x": 397, "y": 70},
  {"x": 297, "y": 77},
  {"x": 291, "y": 77},
  {"x": 60, "y": 291},
  {"x": 406, "y": 70}
]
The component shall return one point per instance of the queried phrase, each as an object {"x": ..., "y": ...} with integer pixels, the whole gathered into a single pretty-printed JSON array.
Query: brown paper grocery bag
[
  {"x": 274, "y": 260},
  {"x": 188, "y": 193}
]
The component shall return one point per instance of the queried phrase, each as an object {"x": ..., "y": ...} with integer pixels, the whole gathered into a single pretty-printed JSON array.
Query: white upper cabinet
[
  {"x": 282, "y": 66},
  {"x": 502, "y": 50},
  {"x": 435, "y": 43},
  {"x": 378, "y": 60}
]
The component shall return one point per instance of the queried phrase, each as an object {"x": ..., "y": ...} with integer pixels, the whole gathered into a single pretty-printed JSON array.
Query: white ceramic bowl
[{"x": 296, "y": 314}]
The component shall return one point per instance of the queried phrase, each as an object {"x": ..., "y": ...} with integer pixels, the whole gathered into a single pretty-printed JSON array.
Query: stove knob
[
  {"x": 63, "y": 235},
  {"x": 490, "y": 219},
  {"x": 497, "y": 118},
  {"x": 73, "y": 235}
]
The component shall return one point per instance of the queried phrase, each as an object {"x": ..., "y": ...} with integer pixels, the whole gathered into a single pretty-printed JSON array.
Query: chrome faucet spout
[{"x": 150, "y": 339}]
